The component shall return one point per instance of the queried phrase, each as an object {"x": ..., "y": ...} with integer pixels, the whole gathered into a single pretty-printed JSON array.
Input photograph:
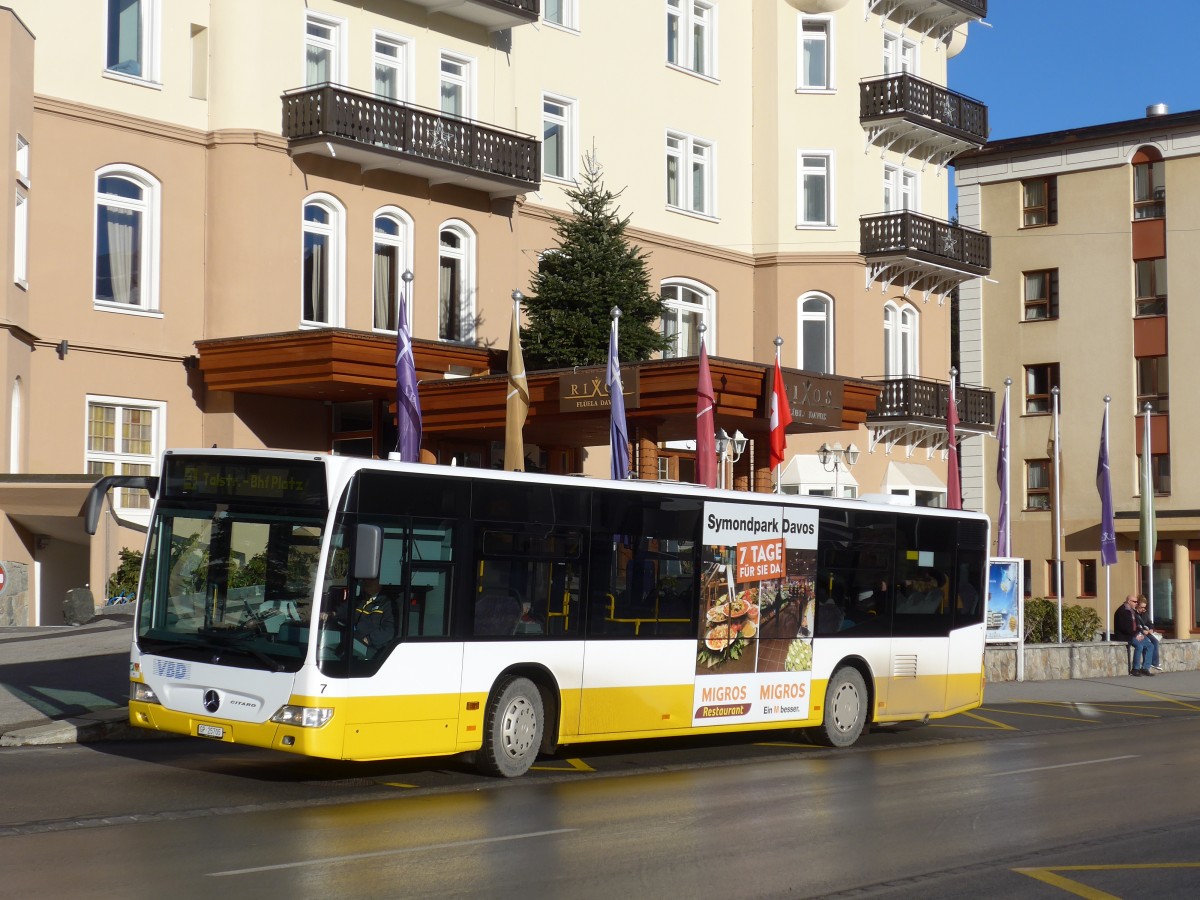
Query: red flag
[
  {"x": 781, "y": 417},
  {"x": 953, "y": 487},
  {"x": 706, "y": 442}
]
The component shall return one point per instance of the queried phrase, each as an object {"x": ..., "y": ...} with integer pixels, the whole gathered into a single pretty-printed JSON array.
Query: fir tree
[{"x": 593, "y": 269}]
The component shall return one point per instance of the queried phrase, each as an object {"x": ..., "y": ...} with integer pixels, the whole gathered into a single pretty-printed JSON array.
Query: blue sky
[{"x": 1046, "y": 65}]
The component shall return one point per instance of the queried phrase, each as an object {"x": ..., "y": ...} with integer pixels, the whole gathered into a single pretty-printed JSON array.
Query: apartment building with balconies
[
  {"x": 1088, "y": 299},
  {"x": 222, "y": 207}
]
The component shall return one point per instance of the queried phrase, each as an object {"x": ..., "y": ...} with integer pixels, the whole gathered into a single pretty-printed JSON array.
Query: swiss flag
[{"x": 781, "y": 418}]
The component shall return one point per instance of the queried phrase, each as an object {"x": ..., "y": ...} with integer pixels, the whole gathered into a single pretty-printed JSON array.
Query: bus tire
[
  {"x": 512, "y": 728},
  {"x": 846, "y": 709}
]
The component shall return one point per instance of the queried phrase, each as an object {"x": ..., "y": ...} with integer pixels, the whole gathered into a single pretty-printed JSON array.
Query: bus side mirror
[
  {"x": 95, "y": 498},
  {"x": 368, "y": 548}
]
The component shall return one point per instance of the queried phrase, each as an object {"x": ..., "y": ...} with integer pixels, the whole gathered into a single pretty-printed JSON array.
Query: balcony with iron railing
[
  {"x": 910, "y": 115},
  {"x": 915, "y": 250},
  {"x": 377, "y": 133},
  {"x": 492, "y": 14},
  {"x": 925, "y": 401}
]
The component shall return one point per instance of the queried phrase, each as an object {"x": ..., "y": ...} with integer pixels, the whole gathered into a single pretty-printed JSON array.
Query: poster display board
[{"x": 1005, "y": 611}]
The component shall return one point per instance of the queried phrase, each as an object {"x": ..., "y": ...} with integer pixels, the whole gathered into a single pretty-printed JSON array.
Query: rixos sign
[
  {"x": 813, "y": 400},
  {"x": 585, "y": 391}
]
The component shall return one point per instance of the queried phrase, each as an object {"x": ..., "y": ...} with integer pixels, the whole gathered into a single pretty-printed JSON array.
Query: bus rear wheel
[
  {"x": 512, "y": 728},
  {"x": 846, "y": 705}
]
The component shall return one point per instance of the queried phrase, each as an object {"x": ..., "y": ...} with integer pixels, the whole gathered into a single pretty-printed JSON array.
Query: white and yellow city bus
[{"x": 363, "y": 609}]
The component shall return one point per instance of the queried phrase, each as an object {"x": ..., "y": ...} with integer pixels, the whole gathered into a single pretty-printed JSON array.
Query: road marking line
[
  {"x": 1032, "y": 715},
  {"x": 1049, "y": 875},
  {"x": 326, "y": 860},
  {"x": 1086, "y": 762},
  {"x": 576, "y": 765},
  {"x": 999, "y": 726}
]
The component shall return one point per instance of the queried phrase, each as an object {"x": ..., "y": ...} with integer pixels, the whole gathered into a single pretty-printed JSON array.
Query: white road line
[
  {"x": 1086, "y": 762},
  {"x": 326, "y": 860}
]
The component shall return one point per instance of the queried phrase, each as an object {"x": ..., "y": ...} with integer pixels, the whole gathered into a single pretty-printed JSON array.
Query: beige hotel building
[
  {"x": 212, "y": 204},
  {"x": 1092, "y": 233}
]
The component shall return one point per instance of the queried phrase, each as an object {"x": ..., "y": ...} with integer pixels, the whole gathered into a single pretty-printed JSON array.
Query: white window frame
[
  {"x": 150, "y": 248},
  {"x": 828, "y": 170},
  {"x": 22, "y": 161},
  {"x": 335, "y": 277},
  {"x": 464, "y": 80},
  {"x": 404, "y": 259},
  {"x": 21, "y": 240},
  {"x": 706, "y": 307},
  {"x": 899, "y": 54},
  {"x": 567, "y": 121},
  {"x": 826, "y": 318},
  {"x": 827, "y": 27},
  {"x": 401, "y": 63},
  {"x": 901, "y": 189},
  {"x": 901, "y": 339},
  {"x": 688, "y": 17},
  {"x": 119, "y": 457},
  {"x": 569, "y": 15},
  {"x": 335, "y": 45},
  {"x": 149, "y": 44},
  {"x": 466, "y": 292},
  {"x": 687, "y": 151}
]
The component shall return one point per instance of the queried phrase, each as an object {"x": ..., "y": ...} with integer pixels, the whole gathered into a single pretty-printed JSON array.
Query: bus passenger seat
[{"x": 496, "y": 614}]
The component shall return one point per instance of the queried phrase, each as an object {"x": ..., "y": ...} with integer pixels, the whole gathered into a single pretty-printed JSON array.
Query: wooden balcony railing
[
  {"x": 924, "y": 103},
  {"x": 411, "y": 132},
  {"x": 923, "y": 399},
  {"x": 925, "y": 238}
]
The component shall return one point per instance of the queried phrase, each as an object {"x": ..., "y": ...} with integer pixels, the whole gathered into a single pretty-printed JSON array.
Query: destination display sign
[{"x": 221, "y": 479}]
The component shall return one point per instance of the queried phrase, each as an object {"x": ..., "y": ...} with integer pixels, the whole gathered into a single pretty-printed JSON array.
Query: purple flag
[
  {"x": 618, "y": 435},
  {"x": 1002, "y": 548},
  {"x": 1108, "y": 529},
  {"x": 408, "y": 402}
]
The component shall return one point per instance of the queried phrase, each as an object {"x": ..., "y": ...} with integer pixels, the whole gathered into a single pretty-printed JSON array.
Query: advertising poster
[
  {"x": 757, "y": 590},
  {"x": 1005, "y": 622}
]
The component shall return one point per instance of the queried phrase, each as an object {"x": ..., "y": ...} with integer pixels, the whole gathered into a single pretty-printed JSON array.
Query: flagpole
[
  {"x": 1006, "y": 524},
  {"x": 1107, "y": 568},
  {"x": 777, "y": 472},
  {"x": 1148, "y": 504},
  {"x": 1057, "y": 515}
]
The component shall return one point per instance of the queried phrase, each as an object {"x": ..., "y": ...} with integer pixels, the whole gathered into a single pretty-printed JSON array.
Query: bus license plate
[{"x": 212, "y": 731}]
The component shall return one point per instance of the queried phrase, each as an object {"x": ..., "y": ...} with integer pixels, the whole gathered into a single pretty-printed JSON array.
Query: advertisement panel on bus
[{"x": 757, "y": 605}]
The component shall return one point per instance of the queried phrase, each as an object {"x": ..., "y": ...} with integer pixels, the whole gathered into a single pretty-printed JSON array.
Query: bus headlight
[
  {"x": 303, "y": 716},
  {"x": 142, "y": 693}
]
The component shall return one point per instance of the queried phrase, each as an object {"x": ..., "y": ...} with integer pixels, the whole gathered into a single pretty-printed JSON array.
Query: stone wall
[
  {"x": 14, "y": 602},
  {"x": 1047, "y": 662}
]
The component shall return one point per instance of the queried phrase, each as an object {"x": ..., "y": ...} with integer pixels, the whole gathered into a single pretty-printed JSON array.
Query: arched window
[
  {"x": 456, "y": 282},
  {"x": 393, "y": 257},
  {"x": 815, "y": 341},
  {"x": 127, "y": 238},
  {"x": 688, "y": 304},
  {"x": 322, "y": 279},
  {"x": 900, "y": 340}
]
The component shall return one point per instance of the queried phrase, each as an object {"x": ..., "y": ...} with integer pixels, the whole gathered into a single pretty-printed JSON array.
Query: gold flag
[{"x": 518, "y": 400}]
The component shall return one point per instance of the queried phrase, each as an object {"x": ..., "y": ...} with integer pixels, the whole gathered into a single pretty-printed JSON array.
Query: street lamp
[
  {"x": 729, "y": 448},
  {"x": 833, "y": 458}
]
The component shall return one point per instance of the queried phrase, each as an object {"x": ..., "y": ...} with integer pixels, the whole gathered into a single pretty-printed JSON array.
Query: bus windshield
[{"x": 230, "y": 585}]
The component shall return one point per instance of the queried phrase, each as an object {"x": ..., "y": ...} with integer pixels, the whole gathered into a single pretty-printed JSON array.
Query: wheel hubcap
[
  {"x": 845, "y": 707},
  {"x": 520, "y": 725}
]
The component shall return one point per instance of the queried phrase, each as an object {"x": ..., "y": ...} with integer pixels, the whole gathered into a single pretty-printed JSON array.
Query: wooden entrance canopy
[{"x": 464, "y": 390}]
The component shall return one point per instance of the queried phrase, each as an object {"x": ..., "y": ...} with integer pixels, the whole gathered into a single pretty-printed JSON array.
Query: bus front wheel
[
  {"x": 512, "y": 728},
  {"x": 846, "y": 708}
]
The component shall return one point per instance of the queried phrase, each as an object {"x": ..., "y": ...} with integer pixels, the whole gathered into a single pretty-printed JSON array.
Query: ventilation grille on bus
[{"x": 904, "y": 667}]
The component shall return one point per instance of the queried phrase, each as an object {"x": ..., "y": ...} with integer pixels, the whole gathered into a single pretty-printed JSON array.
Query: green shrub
[
  {"x": 1080, "y": 624},
  {"x": 125, "y": 579}
]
